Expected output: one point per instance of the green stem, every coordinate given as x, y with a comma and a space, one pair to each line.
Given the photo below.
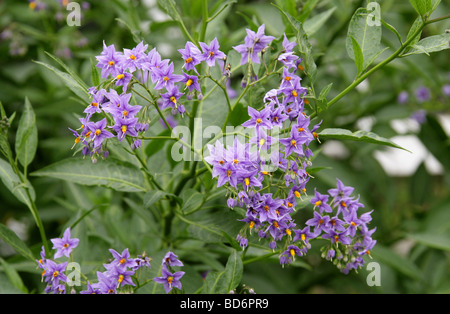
383, 63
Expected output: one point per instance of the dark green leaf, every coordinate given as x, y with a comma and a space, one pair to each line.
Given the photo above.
12, 181
111, 173
27, 136
15, 242
13, 276
436, 241
361, 136
192, 200
358, 55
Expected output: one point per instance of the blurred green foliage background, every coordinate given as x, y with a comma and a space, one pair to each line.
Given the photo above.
411, 210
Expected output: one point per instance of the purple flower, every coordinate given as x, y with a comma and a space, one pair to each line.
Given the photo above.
106, 284
423, 94
169, 280
292, 144
166, 78
100, 134
54, 273
65, 245
304, 235
123, 78
318, 222
89, 289
191, 56
109, 60
258, 118
170, 99
446, 90
403, 97
341, 192
124, 127
212, 53
141, 261
253, 44
337, 237
321, 202
191, 82
134, 58
122, 260
226, 173
288, 46
170, 259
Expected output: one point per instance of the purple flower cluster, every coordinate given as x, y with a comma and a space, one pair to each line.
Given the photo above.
53, 272
113, 98
281, 134
119, 273
170, 278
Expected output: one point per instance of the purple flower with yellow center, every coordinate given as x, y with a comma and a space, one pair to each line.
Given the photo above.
320, 201
54, 273
170, 259
288, 59
258, 118
89, 289
304, 235
122, 260
337, 237
353, 222
121, 275
259, 39
109, 60
133, 58
124, 127
99, 132
94, 106
191, 82
169, 280
191, 56
248, 179
170, 99
269, 208
226, 173
154, 62
125, 110
319, 222
292, 144
341, 192
166, 78
292, 251
65, 245
212, 53
123, 78
106, 284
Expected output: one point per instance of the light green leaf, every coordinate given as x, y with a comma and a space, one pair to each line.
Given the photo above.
430, 44
361, 136
192, 200
110, 173
27, 136
12, 181
437, 241
70, 82
68, 70
358, 55
397, 262
13, 276
312, 25
227, 280
367, 36
15, 242
95, 77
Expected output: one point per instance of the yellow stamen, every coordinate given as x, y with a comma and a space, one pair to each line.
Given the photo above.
120, 76
55, 273
261, 142
124, 128
265, 172
247, 181
275, 224
252, 224
211, 53
336, 238
173, 99
32, 5
189, 82
120, 279
132, 57
228, 173
294, 93
94, 104
288, 232
353, 224
125, 113
292, 252
290, 205
318, 203
77, 140
122, 261
235, 161
297, 194
303, 237
170, 280
165, 78
111, 63
88, 134
288, 78
188, 60
294, 143
258, 120
66, 245
300, 129
300, 67
343, 204
266, 208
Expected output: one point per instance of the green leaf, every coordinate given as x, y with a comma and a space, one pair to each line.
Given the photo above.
358, 56
227, 280
68, 70
13, 276
361, 136
436, 241
367, 36
70, 82
422, 6
110, 173
192, 200
12, 181
15, 242
311, 26
27, 135
430, 44
95, 77
397, 262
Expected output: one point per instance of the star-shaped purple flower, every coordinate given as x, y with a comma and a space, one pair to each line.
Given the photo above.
65, 245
